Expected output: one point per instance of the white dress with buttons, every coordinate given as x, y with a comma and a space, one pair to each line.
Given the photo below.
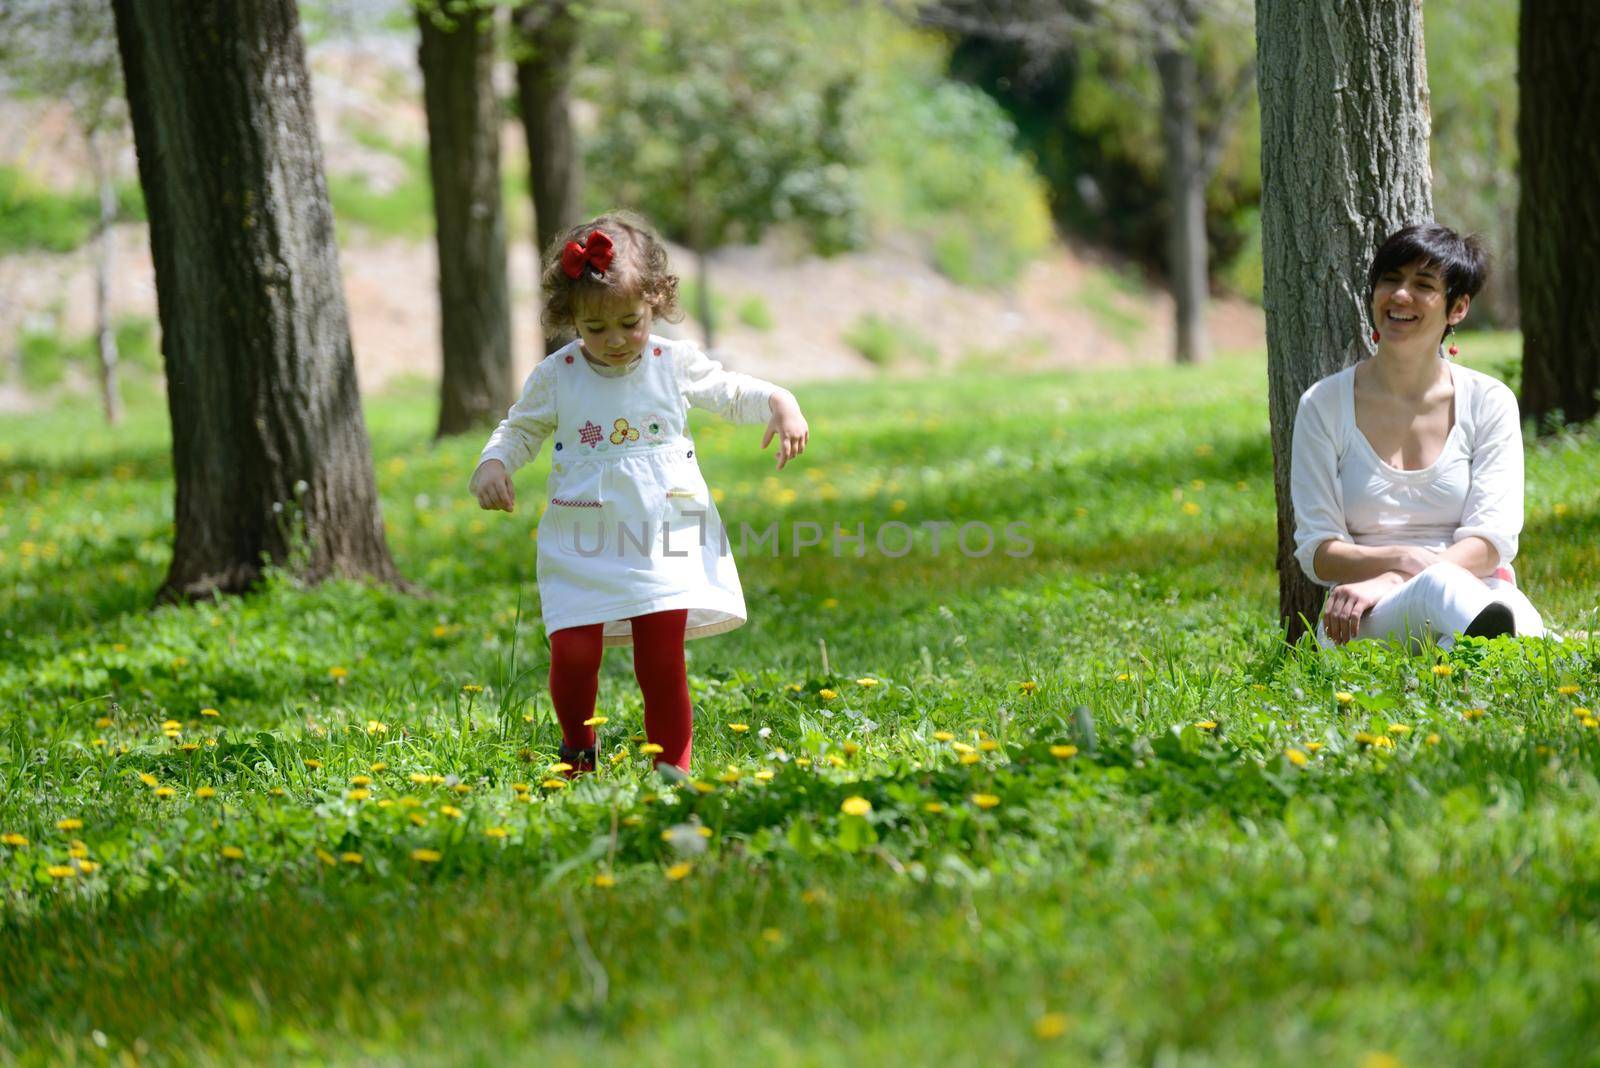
630, 527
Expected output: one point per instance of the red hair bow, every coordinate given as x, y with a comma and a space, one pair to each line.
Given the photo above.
595, 252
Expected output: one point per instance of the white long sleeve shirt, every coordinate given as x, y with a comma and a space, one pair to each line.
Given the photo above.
1343, 491
702, 383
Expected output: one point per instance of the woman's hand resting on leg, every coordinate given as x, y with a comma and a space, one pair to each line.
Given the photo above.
1347, 604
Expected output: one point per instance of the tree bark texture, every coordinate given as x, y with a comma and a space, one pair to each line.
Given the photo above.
270, 451
457, 61
1186, 197
1558, 220
547, 48
1344, 163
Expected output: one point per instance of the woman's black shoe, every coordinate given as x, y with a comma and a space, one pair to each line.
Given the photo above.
1492, 622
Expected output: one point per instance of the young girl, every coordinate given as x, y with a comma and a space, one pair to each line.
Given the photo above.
631, 549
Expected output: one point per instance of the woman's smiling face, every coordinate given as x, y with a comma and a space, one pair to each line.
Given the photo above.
1409, 303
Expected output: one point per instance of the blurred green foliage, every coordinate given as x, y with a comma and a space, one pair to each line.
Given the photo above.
34, 217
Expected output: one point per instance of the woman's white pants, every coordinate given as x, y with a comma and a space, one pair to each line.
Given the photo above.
1437, 605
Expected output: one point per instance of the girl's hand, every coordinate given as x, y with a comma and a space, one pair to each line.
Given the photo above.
493, 488
788, 426
1347, 604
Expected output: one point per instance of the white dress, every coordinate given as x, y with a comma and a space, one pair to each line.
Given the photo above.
630, 527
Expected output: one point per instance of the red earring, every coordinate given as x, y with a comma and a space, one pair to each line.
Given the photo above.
1375, 335
1452, 350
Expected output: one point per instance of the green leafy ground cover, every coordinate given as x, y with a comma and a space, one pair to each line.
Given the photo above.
1077, 807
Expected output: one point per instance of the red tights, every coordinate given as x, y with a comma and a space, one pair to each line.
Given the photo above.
658, 665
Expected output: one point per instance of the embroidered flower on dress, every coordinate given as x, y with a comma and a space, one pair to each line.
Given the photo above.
654, 428
589, 434
623, 432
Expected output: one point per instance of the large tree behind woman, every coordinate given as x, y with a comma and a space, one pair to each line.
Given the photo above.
1344, 162
269, 446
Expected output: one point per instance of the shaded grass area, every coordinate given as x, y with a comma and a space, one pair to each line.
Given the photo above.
1080, 805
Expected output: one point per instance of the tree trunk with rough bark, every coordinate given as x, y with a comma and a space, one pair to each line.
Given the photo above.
457, 60
547, 47
1186, 197
1344, 163
1558, 221
269, 446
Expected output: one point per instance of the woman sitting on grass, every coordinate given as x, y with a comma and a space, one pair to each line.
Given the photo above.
1406, 469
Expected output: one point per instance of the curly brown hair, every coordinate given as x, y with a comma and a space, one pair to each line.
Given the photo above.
638, 271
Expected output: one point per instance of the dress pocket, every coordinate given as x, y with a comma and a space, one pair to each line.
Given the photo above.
580, 511
686, 511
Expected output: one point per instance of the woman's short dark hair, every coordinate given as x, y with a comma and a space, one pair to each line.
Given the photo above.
1463, 260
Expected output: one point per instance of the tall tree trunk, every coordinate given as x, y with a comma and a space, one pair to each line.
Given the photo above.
1186, 200
1558, 221
269, 447
1344, 162
105, 255
457, 60
547, 47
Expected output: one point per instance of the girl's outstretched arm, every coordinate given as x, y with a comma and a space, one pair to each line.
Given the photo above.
517, 440
742, 398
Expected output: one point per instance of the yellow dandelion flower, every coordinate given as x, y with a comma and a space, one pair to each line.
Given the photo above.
210, 713
471, 687
338, 673
313, 763
1313, 746
451, 811
205, 792
98, 743
173, 734
1443, 670
969, 758
171, 725
69, 824
802, 762
856, 806
165, 792
211, 743
1363, 738
554, 784
105, 721
360, 793
985, 800
1380, 1059
650, 749
1399, 728
943, 736
702, 787
435, 780
1062, 752
233, 852
596, 721
1564, 691
1384, 742
77, 850
771, 935
815, 895
633, 820
1344, 697
961, 747
88, 866
988, 745
1050, 1025
933, 807
619, 756
519, 787
377, 766
440, 630
1582, 713
1030, 687
278, 791
14, 840
461, 789
419, 778
1207, 725
605, 881
679, 870
1432, 739
189, 747
426, 856
731, 776
867, 682
830, 602
1296, 757
826, 694
417, 819
360, 780
764, 775
835, 760
1474, 713
352, 858
61, 871
851, 748
1124, 677
496, 832
738, 728
561, 766
376, 727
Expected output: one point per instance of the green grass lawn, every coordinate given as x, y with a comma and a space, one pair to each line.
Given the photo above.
1078, 807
